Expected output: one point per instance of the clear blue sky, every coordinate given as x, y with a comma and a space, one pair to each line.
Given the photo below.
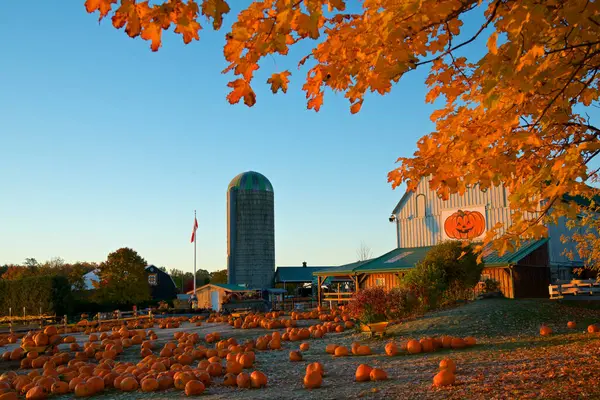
106, 144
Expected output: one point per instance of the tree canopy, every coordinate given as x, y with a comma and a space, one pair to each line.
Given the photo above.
123, 278
515, 116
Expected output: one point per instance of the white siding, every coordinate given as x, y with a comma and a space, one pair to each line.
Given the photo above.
426, 231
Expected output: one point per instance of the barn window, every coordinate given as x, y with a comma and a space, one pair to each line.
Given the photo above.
420, 206
379, 281
153, 279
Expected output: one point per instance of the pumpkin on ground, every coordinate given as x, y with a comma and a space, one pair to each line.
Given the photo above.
243, 380
295, 356
413, 346
304, 346
448, 364
593, 328
444, 378
330, 348
194, 388
571, 325
315, 367
391, 349
545, 330
258, 379
378, 374
363, 373
340, 351
313, 380
363, 351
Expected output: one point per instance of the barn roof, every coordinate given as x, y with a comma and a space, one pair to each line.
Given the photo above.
342, 270
296, 274
493, 259
397, 259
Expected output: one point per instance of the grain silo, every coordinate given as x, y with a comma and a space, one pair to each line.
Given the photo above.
250, 231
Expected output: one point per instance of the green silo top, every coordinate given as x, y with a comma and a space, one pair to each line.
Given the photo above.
250, 181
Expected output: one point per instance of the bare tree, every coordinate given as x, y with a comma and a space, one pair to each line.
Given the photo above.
364, 252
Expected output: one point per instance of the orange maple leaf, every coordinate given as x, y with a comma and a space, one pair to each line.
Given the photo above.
103, 6
279, 81
131, 14
215, 9
315, 102
356, 107
153, 32
188, 28
241, 89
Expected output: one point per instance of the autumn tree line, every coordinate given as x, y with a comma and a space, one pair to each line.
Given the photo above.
123, 281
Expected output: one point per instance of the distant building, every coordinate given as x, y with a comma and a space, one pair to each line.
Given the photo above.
250, 231
162, 286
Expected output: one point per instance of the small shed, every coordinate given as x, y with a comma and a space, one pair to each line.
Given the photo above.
212, 295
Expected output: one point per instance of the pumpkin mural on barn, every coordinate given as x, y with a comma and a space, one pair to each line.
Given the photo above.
464, 225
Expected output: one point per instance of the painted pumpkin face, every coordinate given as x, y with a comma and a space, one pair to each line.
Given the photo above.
464, 225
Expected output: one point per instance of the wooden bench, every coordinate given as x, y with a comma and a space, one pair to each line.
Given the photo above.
584, 289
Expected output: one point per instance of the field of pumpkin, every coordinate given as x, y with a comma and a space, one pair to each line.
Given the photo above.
308, 355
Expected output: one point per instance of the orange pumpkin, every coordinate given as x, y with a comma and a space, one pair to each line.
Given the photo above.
9, 396
341, 351
304, 347
149, 385
193, 388
243, 380
448, 364
295, 356
378, 374
571, 325
36, 393
413, 346
363, 351
464, 225
313, 380
470, 341
315, 367
330, 349
230, 379
258, 379
444, 378
458, 343
545, 330
363, 373
593, 328
391, 349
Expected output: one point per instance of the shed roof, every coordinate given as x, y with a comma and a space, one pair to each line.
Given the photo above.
493, 259
227, 286
397, 259
342, 270
296, 274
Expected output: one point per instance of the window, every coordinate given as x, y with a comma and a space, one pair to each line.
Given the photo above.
420, 206
152, 279
379, 281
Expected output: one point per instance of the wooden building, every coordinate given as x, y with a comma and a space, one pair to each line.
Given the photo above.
423, 220
212, 295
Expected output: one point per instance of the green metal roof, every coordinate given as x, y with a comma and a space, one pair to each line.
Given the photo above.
397, 259
346, 269
296, 274
493, 259
231, 287
250, 181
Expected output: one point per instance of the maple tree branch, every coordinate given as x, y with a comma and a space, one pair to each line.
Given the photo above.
575, 46
475, 36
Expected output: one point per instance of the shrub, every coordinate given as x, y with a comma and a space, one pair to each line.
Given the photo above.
50, 293
448, 273
427, 281
369, 305
401, 302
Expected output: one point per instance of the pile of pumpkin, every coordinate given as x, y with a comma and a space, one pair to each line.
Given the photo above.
171, 368
430, 344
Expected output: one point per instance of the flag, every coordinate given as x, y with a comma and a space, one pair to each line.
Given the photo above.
194, 231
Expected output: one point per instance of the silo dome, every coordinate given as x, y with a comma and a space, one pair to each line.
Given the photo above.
250, 231
250, 181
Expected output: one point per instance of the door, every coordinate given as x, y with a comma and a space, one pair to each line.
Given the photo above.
214, 300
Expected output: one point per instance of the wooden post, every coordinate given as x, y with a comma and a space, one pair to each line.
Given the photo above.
319, 291
65, 323
10, 320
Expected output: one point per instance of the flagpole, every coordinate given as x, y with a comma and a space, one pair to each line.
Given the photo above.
195, 236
